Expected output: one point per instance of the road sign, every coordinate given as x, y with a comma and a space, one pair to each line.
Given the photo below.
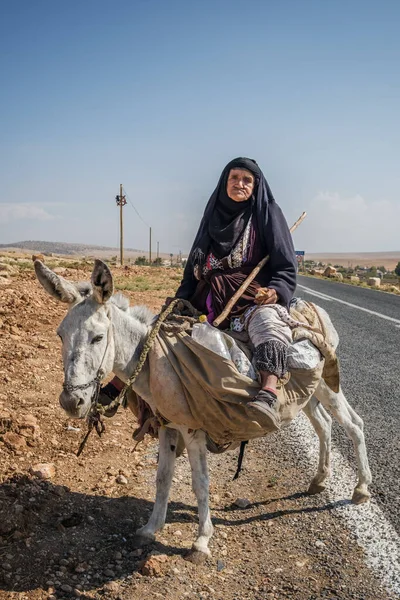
300, 252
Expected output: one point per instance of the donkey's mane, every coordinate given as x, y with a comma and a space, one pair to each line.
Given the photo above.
120, 301
141, 313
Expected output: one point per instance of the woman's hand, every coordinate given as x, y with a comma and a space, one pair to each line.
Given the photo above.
266, 296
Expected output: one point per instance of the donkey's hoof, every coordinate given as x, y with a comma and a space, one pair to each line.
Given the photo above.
316, 488
197, 557
140, 541
360, 496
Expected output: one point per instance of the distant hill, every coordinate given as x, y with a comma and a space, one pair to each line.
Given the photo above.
64, 248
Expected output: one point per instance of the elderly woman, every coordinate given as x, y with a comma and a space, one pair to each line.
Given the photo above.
241, 224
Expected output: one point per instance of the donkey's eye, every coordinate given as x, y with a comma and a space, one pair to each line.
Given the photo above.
97, 339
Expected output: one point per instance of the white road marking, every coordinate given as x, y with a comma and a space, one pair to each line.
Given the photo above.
317, 294
374, 533
330, 298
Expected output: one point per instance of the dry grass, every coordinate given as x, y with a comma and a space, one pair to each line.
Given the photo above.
145, 279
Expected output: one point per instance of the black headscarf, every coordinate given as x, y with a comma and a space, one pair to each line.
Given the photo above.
226, 218
271, 229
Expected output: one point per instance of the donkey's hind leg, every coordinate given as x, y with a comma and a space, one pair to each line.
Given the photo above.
337, 404
197, 453
321, 422
168, 439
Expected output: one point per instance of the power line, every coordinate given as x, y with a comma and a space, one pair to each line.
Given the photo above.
135, 209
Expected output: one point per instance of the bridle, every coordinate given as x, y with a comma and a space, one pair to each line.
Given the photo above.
95, 411
93, 416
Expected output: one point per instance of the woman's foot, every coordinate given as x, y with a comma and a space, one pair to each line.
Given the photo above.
264, 408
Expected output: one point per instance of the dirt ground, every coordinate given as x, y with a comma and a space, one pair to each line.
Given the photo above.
72, 535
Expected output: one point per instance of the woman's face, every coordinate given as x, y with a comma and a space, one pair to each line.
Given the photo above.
240, 185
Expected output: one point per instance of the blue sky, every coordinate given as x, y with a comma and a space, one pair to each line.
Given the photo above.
161, 95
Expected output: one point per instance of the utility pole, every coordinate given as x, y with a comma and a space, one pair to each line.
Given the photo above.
150, 248
121, 201
158, 249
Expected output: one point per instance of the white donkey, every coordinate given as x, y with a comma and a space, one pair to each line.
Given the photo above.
100, 333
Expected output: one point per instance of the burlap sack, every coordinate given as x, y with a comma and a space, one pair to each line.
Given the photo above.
214, 392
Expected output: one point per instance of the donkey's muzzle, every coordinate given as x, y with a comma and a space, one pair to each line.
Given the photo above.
75, 404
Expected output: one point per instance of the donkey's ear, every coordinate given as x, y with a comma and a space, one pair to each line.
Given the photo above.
102, 282
56, 286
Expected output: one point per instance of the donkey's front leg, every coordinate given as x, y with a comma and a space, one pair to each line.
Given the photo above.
168, 439
197, 452
321, 422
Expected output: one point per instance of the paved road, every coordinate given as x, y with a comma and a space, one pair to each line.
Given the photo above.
370, 365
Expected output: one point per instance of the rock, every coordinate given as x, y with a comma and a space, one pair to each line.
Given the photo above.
329, 271
80, 569
154, 566
121, 479
337, 276
14, 441
5, 421
354, 278
118, 556
136, 553
60, 270
319, 544
59, 490
109, 573
43, 470
111, 586
66, 588
374, 281
28, 426
178, 533
301, 563
220, 565
223, 534
242, 502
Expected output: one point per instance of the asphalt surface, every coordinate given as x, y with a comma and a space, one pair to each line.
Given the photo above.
369, 352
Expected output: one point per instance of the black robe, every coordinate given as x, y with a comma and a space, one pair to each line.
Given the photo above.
273, 238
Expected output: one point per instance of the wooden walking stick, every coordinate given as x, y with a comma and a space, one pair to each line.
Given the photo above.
249, 279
